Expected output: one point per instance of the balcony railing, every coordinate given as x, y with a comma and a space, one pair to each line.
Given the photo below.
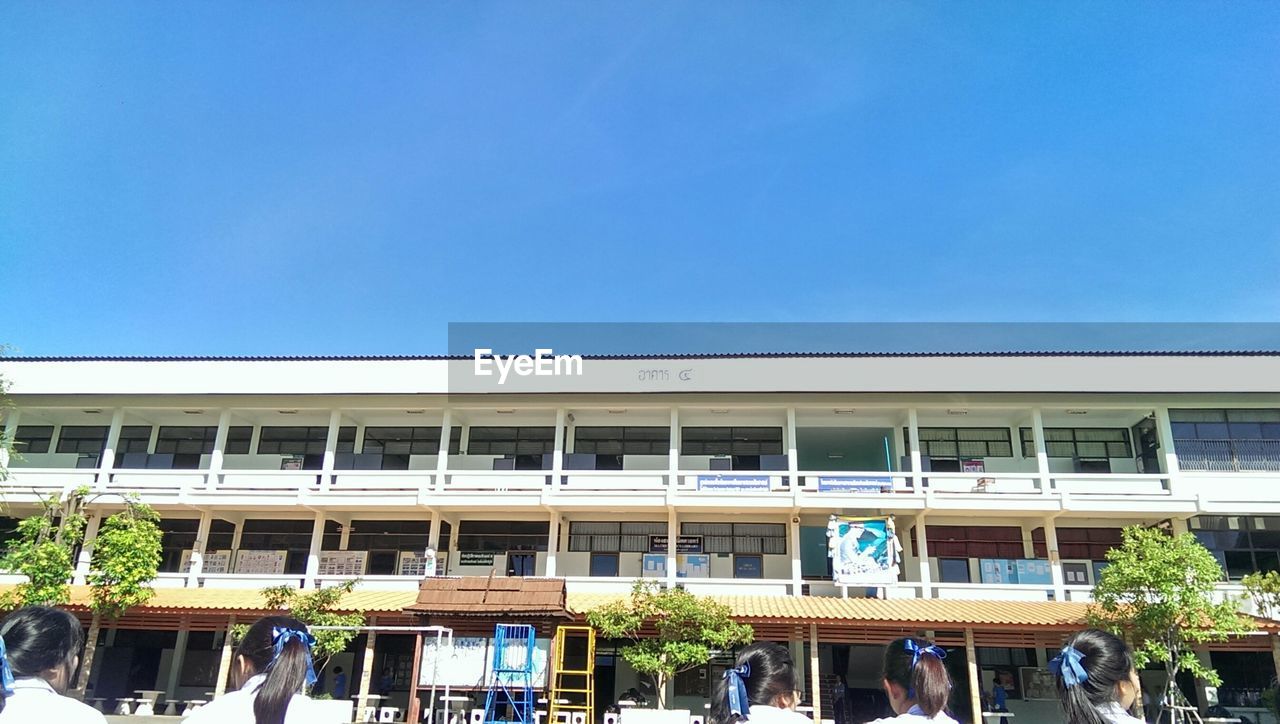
1229, 455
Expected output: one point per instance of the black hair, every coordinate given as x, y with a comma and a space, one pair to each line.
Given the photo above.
924, 678
39, 639
1107, 661
286, 675
772, 674
337, 669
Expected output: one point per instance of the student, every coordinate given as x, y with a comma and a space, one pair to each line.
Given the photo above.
762, 688
339, 683
916, 682
1097, 682
272, 665
39, 653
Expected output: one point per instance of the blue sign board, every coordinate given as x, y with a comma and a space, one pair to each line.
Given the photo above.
854, 484
733, 482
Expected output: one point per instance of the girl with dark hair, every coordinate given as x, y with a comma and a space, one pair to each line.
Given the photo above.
1097, 681
39, 653
271, 670
762, 687
916, 682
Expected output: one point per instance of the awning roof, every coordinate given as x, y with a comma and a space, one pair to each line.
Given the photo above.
491, 596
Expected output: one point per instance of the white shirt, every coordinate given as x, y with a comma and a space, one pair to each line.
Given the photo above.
1112, 712
915, 714
761, 714
35, 701
237, 708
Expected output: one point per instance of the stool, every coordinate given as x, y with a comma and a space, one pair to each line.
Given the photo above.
476, 716
193, 705
145, 708
696, 719
170, 707
369, 714
123, 707
610, 718
577, 717
388, 714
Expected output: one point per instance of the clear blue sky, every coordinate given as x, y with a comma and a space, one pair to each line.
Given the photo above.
323, 178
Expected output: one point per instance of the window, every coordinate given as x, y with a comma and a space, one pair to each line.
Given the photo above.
521, 564
604, 564
622, 440
186, 444
1242, 544
133, 439
953, 570
511, 440
770, 538
501, 536
1079, 442
1075, 574
748, 565
179, 534
731, 441
33, 438
612, 537
1227, 440
954, 443
409, 440
293, 536
1085, 544
238, 439
302, 440
958, 541
83, 439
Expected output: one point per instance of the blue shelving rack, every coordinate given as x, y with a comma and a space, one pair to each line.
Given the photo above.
510, 697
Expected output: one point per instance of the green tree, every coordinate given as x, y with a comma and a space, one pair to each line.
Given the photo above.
316, 608
1158, 592
671, 630
44, 551
1264, 589
126, 559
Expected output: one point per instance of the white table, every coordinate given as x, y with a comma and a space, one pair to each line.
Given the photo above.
146, 702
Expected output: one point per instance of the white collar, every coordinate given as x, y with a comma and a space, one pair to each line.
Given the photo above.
254, 682
34, 683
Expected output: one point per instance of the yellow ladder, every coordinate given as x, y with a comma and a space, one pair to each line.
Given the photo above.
573, 689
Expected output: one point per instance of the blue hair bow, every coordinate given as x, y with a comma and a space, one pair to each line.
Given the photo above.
6, 673
281, 636
1067, 665
916, 650
738, 688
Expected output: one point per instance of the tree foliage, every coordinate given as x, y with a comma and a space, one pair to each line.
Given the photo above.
1158, 592
126, 559
1264, 589
671, 630
316, 608
44, 551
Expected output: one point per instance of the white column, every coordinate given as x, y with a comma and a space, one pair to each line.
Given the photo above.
313, 555
433, 533
793, 458
1055, 560
236, 533
108, 458
153, 439
10, 430
442, 454
815, 679
922, 550
913, 439
86, 549
217, 457
224, 662
344, 535
1164, 430
175, 664
553, 543
673, 449
557, 451
198, 550
797, 575
330, 448
673, 534
1042, 455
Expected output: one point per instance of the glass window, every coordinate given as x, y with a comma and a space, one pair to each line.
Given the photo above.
33, 438
1079, 442
85, 439
292, 440
134, 439
622, 440
409, 440
953, 570
503, 536
184, 440
604, 564
748, 566
511, 440
731, 441
238, 439
963, 442
770, 538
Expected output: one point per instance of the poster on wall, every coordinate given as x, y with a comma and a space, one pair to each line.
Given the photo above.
1038, 683
653, 565
973, 466
863, 551
854, 484
421, 564
292, 462
214, 562
261, 562
342, 563
1033, 571
693, 565
469, 663
733, 482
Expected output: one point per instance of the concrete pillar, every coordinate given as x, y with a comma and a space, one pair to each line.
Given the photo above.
198, 550
673, 447
224, 663
1055, 560
217, 457
108, 459
553, 544
175, 664
673, 535
913, 441
313, 554
85, 556
815, 684
557, 449
922, 551
1164, 431
344, 535
442, 454
1042, 454
433, 533
330, 448
797, 571
793, 453
366, 669
10, 431
975, 687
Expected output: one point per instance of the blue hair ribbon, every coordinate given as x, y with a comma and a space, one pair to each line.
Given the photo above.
738, 688
916, 650
281, 636
1067, 665
6, 673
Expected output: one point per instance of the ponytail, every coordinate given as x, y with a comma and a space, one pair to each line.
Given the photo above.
1087, 670
279, 648
916, 665
762, 674
36, 640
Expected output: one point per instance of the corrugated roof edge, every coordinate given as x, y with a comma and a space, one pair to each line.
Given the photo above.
729, 355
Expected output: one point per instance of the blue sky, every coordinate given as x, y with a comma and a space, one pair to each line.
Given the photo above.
323, 178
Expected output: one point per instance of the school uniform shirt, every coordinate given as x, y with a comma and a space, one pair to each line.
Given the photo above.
35, 701
237, 708
764, 714
1114, 714
916, 714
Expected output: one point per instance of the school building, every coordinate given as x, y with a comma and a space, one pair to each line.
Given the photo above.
1008, 477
